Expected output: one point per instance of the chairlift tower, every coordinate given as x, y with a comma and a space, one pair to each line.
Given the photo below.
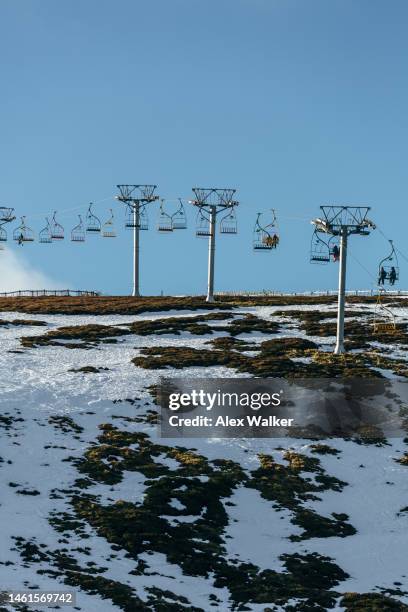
343, 221
210, 202
136, 198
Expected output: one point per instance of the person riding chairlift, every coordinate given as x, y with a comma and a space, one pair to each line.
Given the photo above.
382, 276
271, 241
393, 276
336, 253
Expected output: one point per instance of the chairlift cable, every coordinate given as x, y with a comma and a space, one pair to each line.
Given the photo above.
396, 248
62, 212
402, 254
374, 278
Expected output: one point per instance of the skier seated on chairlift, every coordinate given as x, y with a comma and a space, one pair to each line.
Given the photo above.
21, 239
336, 253
271, 241
393, 276
382, 276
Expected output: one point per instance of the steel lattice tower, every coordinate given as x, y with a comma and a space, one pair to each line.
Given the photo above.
136, 198
211, 201
343, 221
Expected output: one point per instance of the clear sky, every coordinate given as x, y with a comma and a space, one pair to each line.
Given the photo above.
295, 103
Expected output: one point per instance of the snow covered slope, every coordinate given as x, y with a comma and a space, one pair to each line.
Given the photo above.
92, 499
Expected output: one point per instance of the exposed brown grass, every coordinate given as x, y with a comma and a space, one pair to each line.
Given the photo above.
359, 329
86, 336
273, 358
22, 323
82, 336
371, 602
103, 305
131, 305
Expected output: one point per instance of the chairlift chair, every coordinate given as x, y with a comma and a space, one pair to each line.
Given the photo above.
228, 223
131, 221
388, 268
265, 236
179, 218
319, 250
57, 231
93, 224
45, 234
381, 327
3, 234
165, 221
334, 248
384, 318
108, 228
203, 229
23, 233
143, 219
78, 232
6, 214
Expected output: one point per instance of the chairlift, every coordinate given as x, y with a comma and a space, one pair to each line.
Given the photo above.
57, 231
334, 248
165, 221
23, 233
6, 214
319, 249
78, 232
108, 228
366, 227
265, 235
131, 218
93, 224
388, 268
179, 218
3, 234
228, 223
45, 234
143, 219
203, 229
384, 318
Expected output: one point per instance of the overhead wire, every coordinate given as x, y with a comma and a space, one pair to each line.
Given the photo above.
396, 248
364, 268
64, 212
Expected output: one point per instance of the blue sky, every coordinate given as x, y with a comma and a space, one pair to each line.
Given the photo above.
295, 103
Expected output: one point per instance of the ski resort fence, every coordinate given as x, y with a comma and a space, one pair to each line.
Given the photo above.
362, 292
49, 293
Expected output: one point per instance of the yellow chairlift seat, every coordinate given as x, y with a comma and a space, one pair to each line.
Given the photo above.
384, 327
383, 312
